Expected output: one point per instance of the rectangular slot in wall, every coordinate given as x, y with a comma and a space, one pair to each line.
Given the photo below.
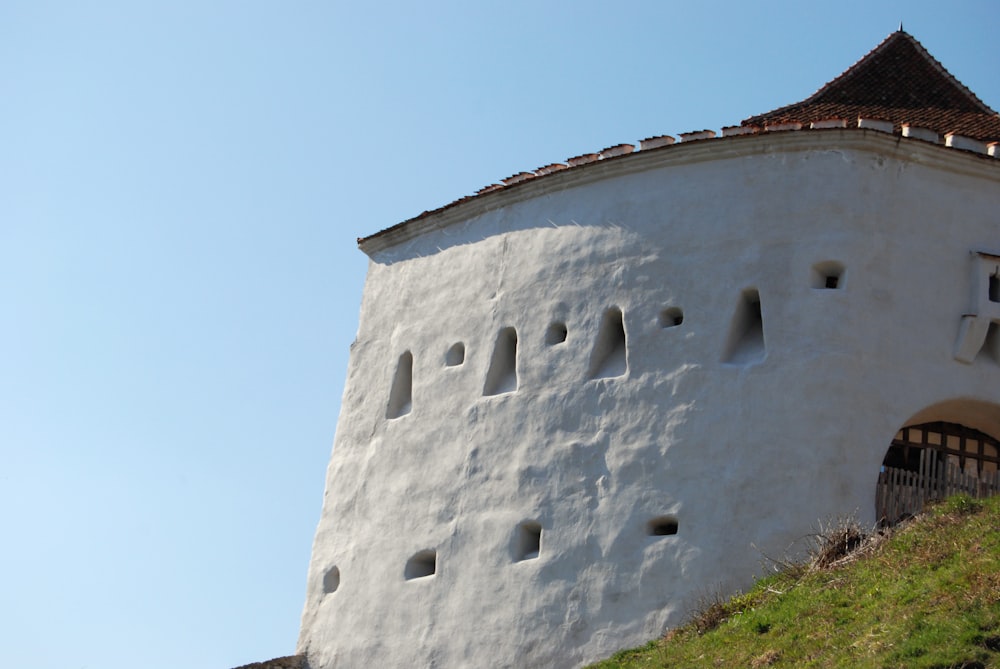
502, 374
401, 394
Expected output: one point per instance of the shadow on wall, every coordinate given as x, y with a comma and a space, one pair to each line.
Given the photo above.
478, 230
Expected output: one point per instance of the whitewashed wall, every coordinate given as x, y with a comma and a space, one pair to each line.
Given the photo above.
746, 457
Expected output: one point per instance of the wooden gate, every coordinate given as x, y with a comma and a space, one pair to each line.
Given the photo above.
932, 461
902, 493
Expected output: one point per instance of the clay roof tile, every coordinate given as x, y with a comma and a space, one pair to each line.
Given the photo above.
898, 81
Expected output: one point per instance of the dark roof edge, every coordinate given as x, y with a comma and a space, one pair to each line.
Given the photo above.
700, 150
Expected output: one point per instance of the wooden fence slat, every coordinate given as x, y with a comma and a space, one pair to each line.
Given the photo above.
901, 492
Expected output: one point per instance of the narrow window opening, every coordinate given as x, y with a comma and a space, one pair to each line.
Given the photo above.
745, 344
671, 318
662, 526
455, 355
994, 288
401, 395
331, 580
556, 334
502, 374
828, 275
528, 543
609, 356
991, 345
423, 564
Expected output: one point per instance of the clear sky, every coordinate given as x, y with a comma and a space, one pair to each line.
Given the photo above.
181, 186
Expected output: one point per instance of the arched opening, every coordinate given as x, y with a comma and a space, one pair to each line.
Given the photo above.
948, 448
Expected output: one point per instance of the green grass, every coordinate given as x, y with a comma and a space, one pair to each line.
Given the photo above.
926, 597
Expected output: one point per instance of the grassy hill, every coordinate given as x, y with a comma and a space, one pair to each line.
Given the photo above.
925, 595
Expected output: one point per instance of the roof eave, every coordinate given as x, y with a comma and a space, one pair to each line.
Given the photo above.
676, 155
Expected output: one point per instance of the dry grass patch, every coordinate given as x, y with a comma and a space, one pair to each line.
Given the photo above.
766, 659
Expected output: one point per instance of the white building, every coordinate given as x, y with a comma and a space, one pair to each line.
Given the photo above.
583, 398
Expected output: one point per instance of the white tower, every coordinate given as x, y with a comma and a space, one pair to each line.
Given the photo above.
585, 397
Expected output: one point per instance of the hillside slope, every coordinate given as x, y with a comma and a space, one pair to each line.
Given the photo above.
926, 596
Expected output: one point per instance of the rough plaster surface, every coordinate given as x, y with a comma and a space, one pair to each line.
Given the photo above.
746, 456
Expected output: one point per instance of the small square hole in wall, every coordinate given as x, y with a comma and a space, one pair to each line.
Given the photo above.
528, 541
556, 334
662, 526
455, 355
421, 565
671, 318
994, 294
828, 275
331, 580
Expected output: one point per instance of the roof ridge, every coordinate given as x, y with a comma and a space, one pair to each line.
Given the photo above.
921, 49
825, 87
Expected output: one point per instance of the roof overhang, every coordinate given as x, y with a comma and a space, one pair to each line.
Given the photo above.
685, 153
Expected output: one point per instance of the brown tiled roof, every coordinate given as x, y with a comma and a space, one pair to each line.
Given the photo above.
897, 81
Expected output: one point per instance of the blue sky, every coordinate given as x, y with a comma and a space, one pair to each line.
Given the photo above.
181, 187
